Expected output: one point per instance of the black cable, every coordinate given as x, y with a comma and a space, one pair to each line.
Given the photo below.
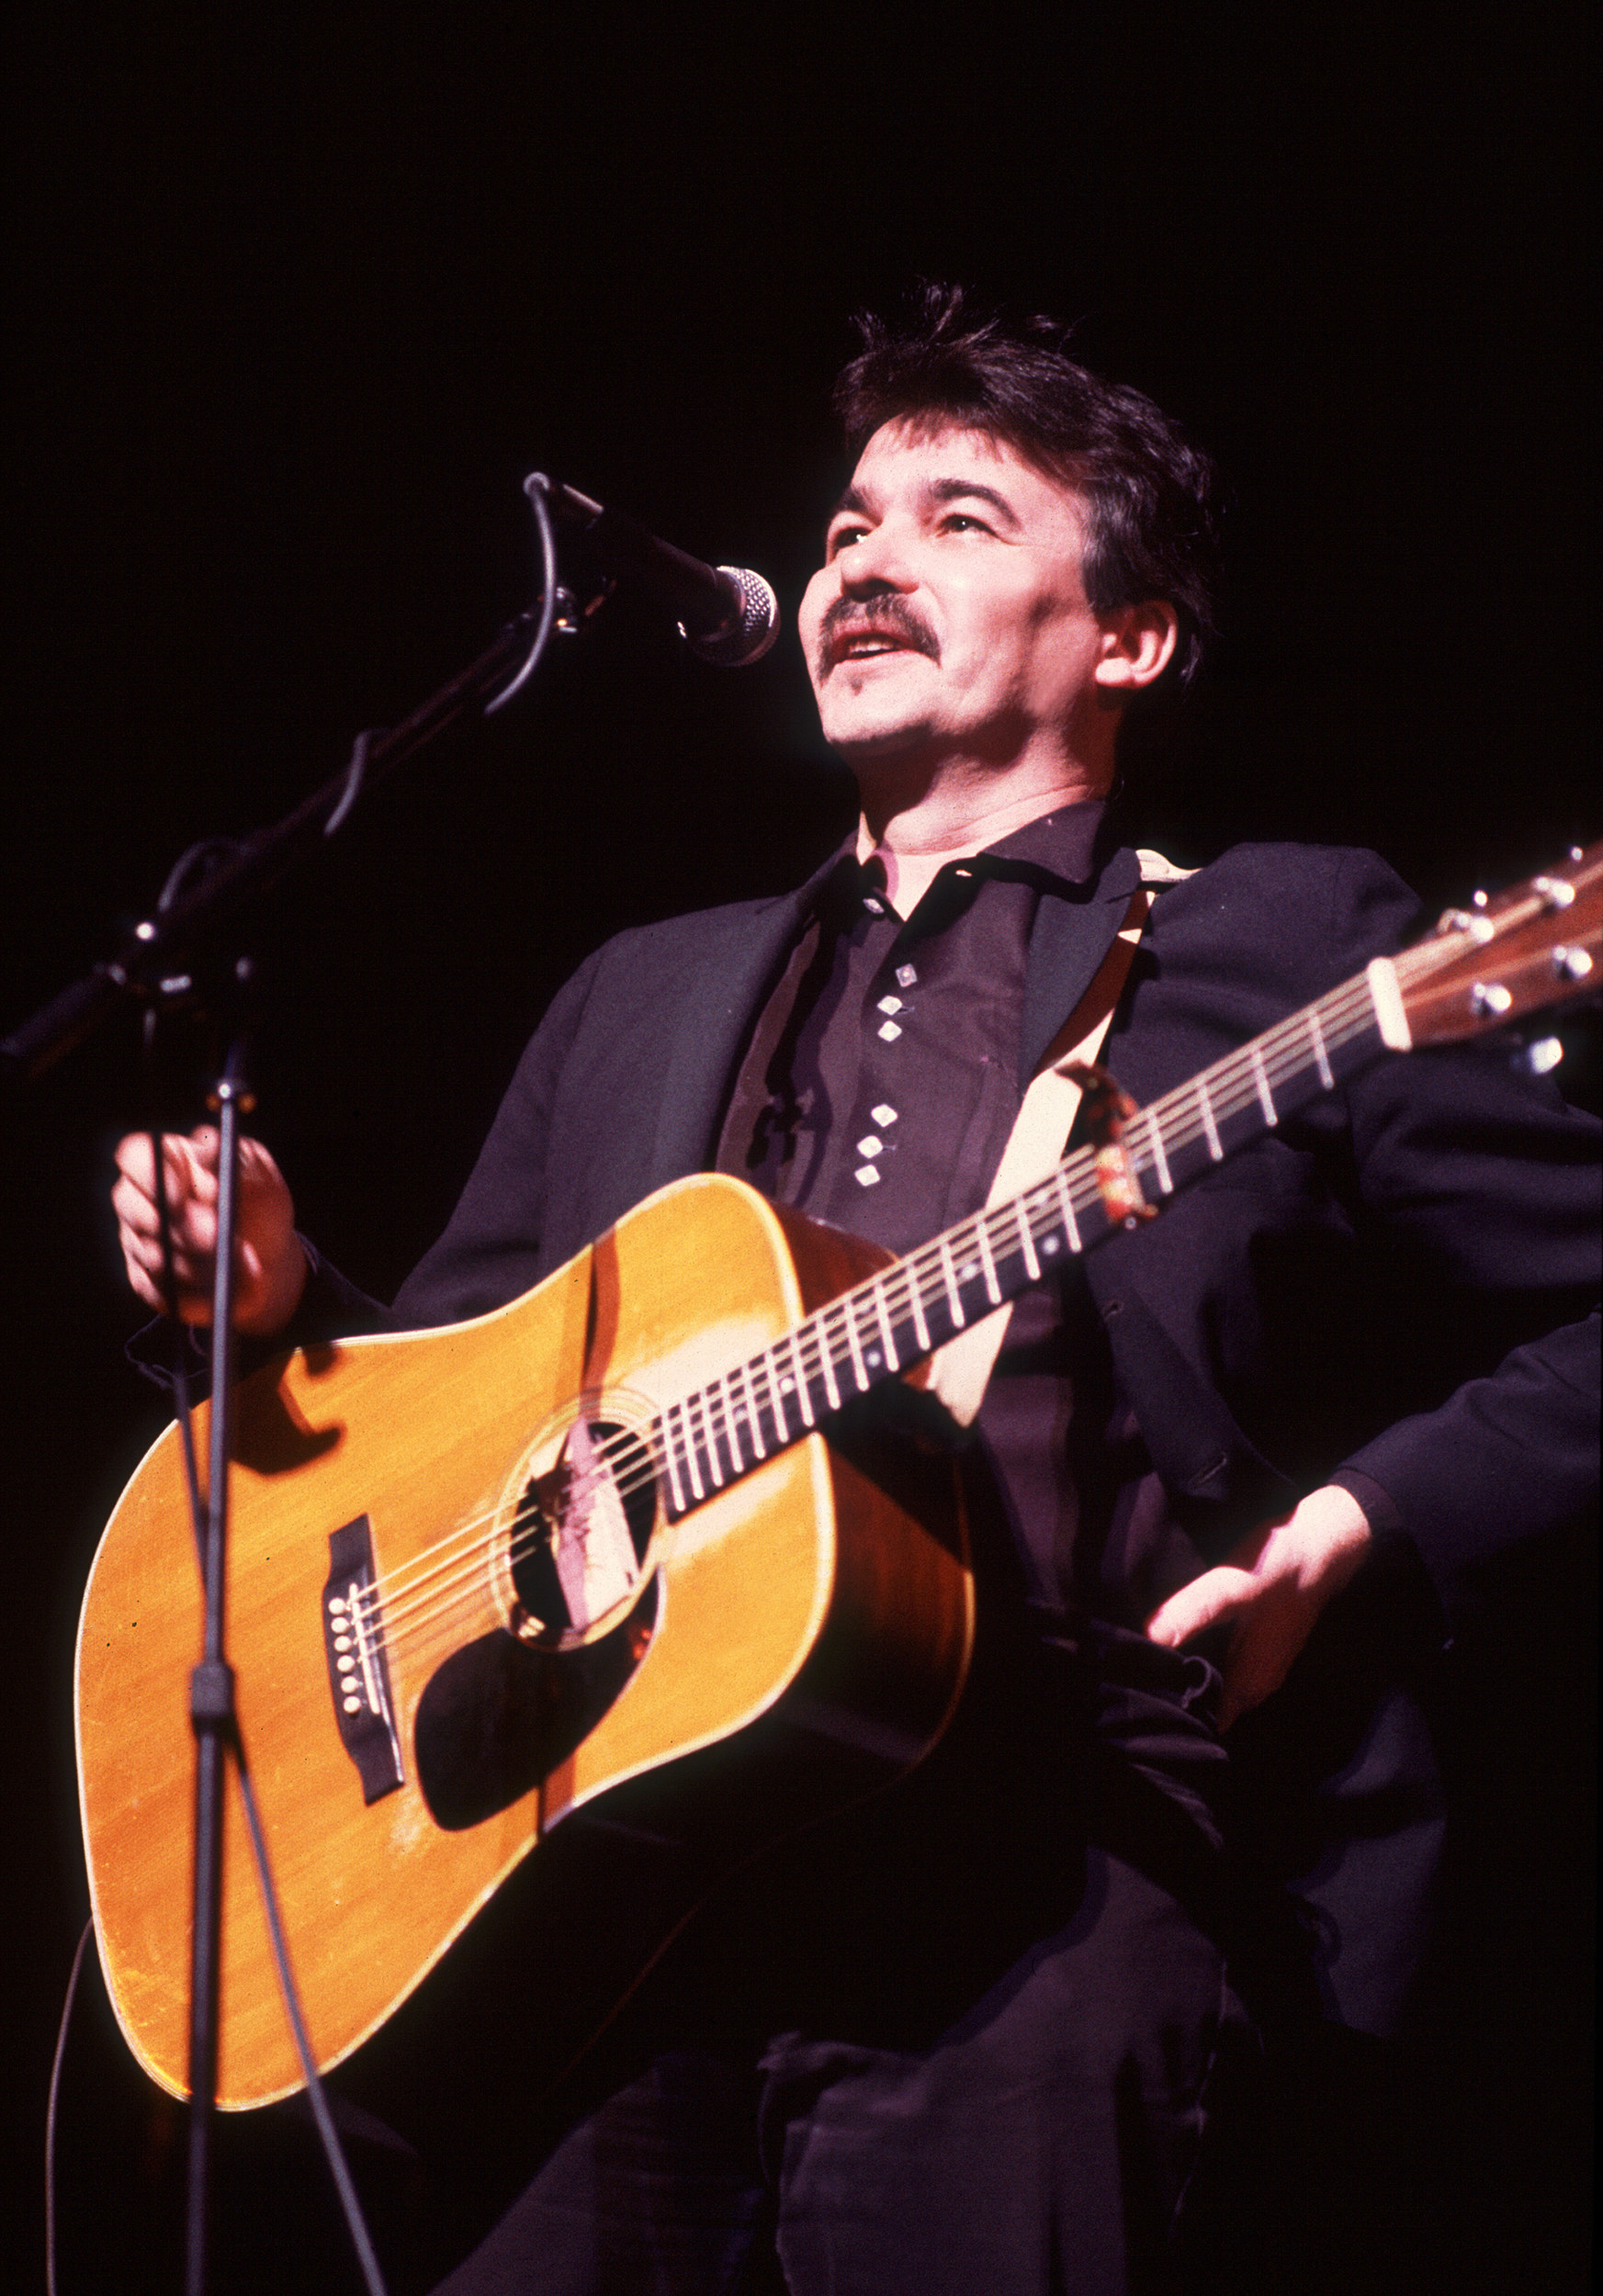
535, 487
49, 2114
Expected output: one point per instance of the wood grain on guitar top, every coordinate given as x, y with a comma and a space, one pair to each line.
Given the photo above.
805, 1597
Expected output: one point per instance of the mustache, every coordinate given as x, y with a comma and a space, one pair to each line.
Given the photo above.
890, 617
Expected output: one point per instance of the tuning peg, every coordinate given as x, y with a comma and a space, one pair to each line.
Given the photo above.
1571, 964
1537, 1059
1489, 1000
1557, 893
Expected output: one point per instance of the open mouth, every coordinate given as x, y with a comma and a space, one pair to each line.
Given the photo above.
873, 641
866, 647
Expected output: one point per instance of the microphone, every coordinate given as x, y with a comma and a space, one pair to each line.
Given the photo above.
725, 613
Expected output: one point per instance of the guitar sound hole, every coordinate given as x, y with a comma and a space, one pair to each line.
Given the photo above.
580, 1531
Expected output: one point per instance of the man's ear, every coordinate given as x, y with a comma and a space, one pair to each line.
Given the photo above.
1138, 645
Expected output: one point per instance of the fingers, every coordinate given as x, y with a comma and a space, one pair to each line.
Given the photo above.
188, 1172
189, 1176
1278, 1581
1218, 1593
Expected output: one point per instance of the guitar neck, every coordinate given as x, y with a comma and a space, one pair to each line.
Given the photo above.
891, 1321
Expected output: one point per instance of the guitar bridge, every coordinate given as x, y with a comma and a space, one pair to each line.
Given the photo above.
359, 1674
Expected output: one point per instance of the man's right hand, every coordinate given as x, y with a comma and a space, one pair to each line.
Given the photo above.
270, 1267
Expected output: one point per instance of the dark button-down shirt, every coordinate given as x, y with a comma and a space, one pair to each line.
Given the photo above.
877, 1093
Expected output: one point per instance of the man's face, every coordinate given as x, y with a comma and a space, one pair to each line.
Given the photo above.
950, 616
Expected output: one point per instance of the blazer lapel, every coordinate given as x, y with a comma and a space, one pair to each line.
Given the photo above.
713, 1022
1069, 940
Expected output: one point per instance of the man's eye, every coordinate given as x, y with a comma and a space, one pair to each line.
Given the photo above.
964, 523
844, 536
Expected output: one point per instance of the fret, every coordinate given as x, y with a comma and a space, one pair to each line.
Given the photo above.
798, 1380
993, 1290
826, 1360
1026, 1241
666, 1423
731, 1434
1211, 1131
1260, 1084
711, 1424
775, 1397
1066, 1209
691, 1466
892, 1360
859, 1370
915, 1297
1050, 1245
1320, 1057
709, 1435
1160, 1161
753, 1418
950, 1278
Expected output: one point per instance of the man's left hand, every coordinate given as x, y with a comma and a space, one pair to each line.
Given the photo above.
1273, 1588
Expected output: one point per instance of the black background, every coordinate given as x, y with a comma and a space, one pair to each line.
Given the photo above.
297, 300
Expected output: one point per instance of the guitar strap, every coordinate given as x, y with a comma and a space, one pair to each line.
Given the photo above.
960, 1371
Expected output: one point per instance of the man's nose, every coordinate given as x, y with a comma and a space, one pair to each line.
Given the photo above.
875, 562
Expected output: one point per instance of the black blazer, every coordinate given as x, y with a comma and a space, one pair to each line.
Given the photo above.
1396, 1288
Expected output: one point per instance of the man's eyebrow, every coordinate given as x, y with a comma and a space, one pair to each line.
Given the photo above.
855, 501
959, 489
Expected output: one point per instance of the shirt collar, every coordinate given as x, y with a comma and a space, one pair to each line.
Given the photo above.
1058, 848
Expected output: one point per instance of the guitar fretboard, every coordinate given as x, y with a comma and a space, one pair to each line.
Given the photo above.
884, 1325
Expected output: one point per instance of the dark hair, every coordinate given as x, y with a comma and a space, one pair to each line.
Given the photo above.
1150, 495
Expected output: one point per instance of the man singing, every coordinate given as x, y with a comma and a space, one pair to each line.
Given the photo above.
1000, 2039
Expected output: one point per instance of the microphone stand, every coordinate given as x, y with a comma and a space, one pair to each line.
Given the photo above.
159, 962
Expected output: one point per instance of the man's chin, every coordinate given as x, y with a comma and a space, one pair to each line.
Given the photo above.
863, 737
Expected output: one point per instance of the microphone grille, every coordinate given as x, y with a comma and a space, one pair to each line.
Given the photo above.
751, 630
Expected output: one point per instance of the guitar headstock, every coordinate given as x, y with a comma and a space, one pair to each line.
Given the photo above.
1517, 953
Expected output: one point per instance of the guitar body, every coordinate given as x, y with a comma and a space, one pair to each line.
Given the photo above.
818, 1608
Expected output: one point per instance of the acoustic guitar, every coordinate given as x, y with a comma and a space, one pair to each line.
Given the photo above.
601, 1557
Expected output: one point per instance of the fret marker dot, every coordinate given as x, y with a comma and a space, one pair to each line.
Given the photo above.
351, 1705
872, 1358
888, 1032
866, 1176
1049, 1243
884, 1114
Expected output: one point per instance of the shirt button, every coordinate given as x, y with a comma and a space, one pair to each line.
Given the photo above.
870, 1145
888, 1032
906, 975
884, 1114
890, 1003
866, 1175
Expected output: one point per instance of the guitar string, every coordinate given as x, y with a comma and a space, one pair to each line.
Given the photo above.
923, 1273
897, 1285
923, 1276
1233, 1087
